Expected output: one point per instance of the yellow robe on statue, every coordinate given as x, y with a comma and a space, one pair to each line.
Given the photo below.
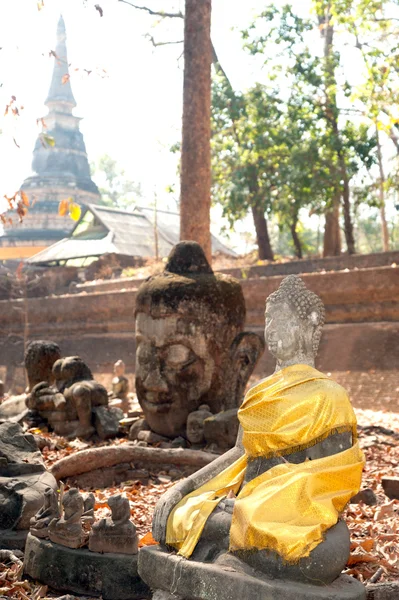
289, 507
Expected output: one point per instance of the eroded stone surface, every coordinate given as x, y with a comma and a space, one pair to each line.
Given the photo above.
117, 534
68, 530
23, 482
191, 349
190, 581
196, 423
68, 405
39, 524
111, 576
222, 429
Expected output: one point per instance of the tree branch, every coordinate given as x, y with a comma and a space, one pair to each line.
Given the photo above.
178, 15
155, 13
154, 43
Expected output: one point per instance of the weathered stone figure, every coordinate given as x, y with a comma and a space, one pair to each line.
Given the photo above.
120, 387
23, 484
191, 349
269, 508
39, 359
50, 510
117, 534
68, 405
68, 530
88, 508
196, 424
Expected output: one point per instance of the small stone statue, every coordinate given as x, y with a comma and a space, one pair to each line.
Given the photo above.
39, 359
88, 508
39, 524
120, 387
68, 405
269, 509
68, 530
117, 534
195, 425
191, 347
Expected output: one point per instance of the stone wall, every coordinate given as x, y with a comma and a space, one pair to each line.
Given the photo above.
296, 267
361, 335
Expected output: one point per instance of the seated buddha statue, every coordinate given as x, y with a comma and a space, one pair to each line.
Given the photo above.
50, 510
67, 530
270, 507
116, 534
120, 387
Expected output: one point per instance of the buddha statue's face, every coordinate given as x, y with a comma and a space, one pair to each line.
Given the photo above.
175, 366
283, 332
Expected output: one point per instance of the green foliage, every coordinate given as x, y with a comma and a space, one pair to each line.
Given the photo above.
115, 188
286, 144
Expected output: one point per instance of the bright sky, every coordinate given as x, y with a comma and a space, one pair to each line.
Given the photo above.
132, 111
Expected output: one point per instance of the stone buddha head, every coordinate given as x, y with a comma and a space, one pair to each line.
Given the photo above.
191, 348
39, 359
294, 321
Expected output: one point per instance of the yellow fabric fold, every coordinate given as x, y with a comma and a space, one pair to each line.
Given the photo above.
293, 409
289, 507
188, 518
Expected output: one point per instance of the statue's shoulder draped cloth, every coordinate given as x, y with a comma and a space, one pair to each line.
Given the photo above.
289, 507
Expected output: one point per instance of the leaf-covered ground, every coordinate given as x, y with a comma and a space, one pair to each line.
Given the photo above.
374, 529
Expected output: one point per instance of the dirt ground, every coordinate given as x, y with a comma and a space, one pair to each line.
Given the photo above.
374, 529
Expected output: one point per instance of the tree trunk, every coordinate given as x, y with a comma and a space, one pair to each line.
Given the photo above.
381, 188
348, 224
332, 234
265, 251
295, 237
195, 177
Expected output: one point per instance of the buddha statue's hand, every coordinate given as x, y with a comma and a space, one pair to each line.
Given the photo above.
164, 507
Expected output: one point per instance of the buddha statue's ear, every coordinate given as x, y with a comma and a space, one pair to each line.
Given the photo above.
245, 352
315, 318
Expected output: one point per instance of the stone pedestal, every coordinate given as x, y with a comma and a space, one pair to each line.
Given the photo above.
191, 580
111, 576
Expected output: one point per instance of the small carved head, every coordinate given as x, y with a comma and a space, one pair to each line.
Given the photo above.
195, 424
120, 508
294, 321
119, 368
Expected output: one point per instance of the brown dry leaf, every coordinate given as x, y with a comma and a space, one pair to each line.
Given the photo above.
361, 557
367, 544
384, 511
24, 198
147, 540
63, 208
